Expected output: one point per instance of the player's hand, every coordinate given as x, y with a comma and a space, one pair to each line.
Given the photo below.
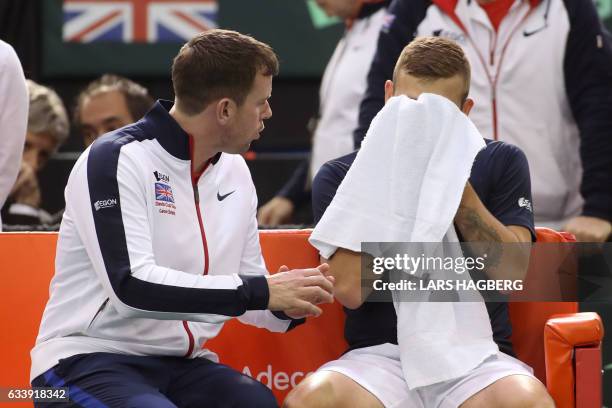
276, 211
589, 229
298, 291
26, 190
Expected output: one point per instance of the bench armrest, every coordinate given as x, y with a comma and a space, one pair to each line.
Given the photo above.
572, 348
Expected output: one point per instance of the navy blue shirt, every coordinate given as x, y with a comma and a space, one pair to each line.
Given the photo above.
500, 177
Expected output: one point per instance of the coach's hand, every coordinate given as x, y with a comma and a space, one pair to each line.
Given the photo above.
298, 291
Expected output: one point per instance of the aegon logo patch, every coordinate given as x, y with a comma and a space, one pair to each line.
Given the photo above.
109, 202
161, 177
525, 203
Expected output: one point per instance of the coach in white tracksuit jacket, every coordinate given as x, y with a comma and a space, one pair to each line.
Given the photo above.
144, 256
155, 251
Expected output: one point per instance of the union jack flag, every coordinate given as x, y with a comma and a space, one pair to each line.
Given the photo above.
163, 192
137, 21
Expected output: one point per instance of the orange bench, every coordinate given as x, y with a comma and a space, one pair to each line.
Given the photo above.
571, 367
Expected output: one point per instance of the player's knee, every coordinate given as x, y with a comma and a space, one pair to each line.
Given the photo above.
531, 395
515, 391
535, 399
545, 401
310, 394
252, 393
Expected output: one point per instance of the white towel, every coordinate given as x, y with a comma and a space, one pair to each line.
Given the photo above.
405, 185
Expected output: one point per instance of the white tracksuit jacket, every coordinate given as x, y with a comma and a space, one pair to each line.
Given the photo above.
152, 259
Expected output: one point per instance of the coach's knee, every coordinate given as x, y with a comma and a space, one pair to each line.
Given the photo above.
148, 401
312, 392
252, 393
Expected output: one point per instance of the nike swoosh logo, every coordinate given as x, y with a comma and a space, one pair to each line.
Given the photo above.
224, 196
530, 33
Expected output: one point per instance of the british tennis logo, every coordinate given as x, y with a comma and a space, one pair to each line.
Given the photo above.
164, 197
163, 192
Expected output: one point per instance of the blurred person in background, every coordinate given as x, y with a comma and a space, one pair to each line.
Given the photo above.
108, 103
13, 119
47, 130
342, 86
543, 71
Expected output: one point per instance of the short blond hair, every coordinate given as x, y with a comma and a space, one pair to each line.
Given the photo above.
47, 113
432, 58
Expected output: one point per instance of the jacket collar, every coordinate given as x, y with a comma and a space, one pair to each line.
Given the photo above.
158, 123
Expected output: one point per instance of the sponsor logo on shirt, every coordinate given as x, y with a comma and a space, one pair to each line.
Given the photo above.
161, 177
525, 203
222, 197
109, 202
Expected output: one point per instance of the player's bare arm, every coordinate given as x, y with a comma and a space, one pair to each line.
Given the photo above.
477, 224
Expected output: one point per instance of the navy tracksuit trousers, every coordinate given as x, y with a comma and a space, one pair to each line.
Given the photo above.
101, 380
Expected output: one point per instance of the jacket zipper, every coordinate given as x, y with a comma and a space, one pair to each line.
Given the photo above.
492, 47
494, 111
492, 80
195, 176
196, 197
100, 309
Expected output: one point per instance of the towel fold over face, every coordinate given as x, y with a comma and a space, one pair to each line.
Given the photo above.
405, 185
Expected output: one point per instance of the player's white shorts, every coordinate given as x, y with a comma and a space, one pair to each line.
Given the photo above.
378, 370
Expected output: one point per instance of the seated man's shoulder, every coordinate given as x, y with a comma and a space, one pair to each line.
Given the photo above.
233, 168
335, 169
500, 158
500, 149
112, 142
326, 182
235, 162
